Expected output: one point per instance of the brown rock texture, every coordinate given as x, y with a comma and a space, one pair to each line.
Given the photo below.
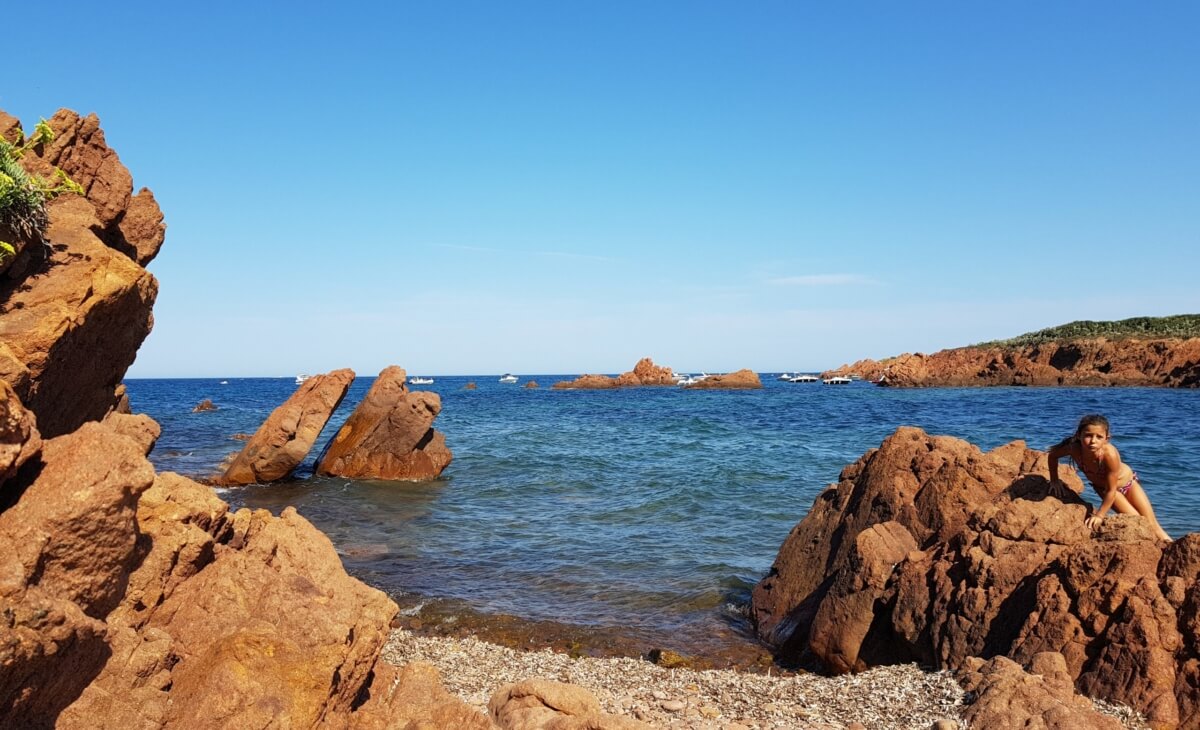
67, 339
19, 437
743, 379
389, 435
541, 703
1009, 698
413, 697
1098, 362
285, 438
204, 405
930, 550
645, 372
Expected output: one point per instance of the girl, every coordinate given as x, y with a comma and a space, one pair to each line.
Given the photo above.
1091, 451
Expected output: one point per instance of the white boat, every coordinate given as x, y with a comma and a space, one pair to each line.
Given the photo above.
837, 380
686, 380
785, 376
224, 382
302, 377
508, 378
800, 378
420, 381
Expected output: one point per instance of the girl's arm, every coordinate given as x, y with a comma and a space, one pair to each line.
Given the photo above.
1057, 452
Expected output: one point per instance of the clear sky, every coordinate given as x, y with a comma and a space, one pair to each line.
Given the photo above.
565, 187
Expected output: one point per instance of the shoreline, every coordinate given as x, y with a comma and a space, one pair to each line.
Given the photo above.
898, 697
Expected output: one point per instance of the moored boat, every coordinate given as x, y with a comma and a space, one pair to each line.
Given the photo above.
508, 378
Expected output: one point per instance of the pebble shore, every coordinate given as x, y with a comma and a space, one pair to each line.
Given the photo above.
902, 697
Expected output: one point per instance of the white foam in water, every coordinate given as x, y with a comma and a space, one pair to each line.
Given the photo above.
412, 610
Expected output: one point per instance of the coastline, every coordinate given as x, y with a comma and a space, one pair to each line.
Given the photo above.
897, 697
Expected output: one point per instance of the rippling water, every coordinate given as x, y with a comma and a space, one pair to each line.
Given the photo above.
649, 510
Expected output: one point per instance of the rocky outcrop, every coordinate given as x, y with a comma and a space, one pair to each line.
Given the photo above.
205, 405
1098, 362
67, 339
19, 438
930, 550
1006, 697
389, 435
645, 372
542, 703
288, 434
743, 379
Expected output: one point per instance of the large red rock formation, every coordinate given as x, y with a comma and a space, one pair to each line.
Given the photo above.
743, 379
66, 339
285, 438
645, 372
930, 550
389, 435
1169, 362
1008, 698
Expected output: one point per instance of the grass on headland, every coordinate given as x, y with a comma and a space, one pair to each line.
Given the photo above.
1178, 325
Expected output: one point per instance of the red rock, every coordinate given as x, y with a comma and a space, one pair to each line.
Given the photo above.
740, 380
645, 372
143, 429
542, 703
74, 529
67, 338
531, 384
1169, 362
19, 437
1001, 569
389, 435
141, 229
1008, 698
410, 697
285, 438
273, 631
204, 405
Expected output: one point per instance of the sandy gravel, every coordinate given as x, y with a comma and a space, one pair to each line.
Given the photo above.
883, 698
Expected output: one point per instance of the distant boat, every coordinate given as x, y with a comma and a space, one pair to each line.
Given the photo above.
837, 380
302, 377
420, 381
686, 380
508, 378
799, 378
224, 382
785, 376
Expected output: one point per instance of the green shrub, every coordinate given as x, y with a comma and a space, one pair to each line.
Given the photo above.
23, 196
1179, 325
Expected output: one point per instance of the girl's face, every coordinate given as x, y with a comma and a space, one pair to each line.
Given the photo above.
1093, 437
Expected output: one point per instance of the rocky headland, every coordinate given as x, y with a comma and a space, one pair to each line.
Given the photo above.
1123, 355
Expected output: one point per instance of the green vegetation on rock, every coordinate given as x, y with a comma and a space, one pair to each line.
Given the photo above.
1175, 326
23, 196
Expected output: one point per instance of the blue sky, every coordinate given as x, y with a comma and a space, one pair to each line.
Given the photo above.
564, 187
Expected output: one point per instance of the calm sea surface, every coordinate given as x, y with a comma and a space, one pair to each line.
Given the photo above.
649, 510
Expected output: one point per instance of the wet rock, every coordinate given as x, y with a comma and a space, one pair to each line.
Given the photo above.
285, 438
389, 435
204, 405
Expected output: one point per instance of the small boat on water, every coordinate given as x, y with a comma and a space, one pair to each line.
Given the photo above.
224, 382
302, 377
837, 380
509, 378
785, 376
686, 380
801, 378
420, 381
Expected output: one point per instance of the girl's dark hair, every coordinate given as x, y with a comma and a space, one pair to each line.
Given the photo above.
1091, 419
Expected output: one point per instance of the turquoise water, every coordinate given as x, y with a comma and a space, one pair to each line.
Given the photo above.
652, 510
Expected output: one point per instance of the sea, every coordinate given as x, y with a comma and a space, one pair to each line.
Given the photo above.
639, 517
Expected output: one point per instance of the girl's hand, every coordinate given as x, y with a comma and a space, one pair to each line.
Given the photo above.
1093, 522
1058, 489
